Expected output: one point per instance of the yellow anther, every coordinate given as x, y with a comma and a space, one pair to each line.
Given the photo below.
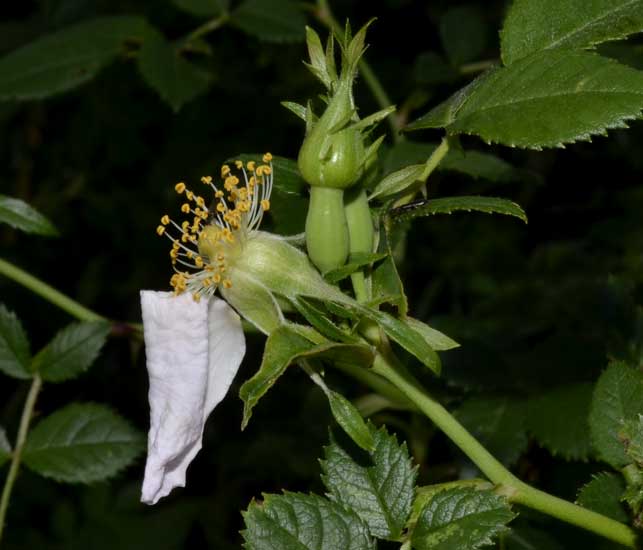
160, 230
198, 261
251, 165
221, 207
238, 164
267, 170
267, 157
196, 297
206, 179
259, 170
189, 195
200, 202
230, 182
179, 187
174, 253
203, 215
225, 170
185, 208
185, 225
265, 205
165, 219
227, 283
216, 278
218, 194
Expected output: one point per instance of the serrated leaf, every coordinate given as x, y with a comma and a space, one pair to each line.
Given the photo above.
271, 20
295, 521
20, 215
164, 69
618, 398
463, 33
378, 486
82, 443
355, 262
284, 346
498, 423
462, 518
350, 420
632, 437
435, 339
14, 346
202, 8
603, 495
71, 351
5, 447
569, 439
448, 205
67, 58
531, 26
548, 99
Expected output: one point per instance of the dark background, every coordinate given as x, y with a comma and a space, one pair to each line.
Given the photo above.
533, 305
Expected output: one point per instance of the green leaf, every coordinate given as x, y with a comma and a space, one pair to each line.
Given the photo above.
355, 262
531, 26
71, 351
271, 20
545, 100
350, 420
499, 424
411, 340
82, 443
385, 278
20, 215
14, 346
378, 486
164, 69
202, 8
5, 447
618, 398
463, 33
321, 322
569, 439
603, 495
402, 181
285, 345
295, 108
295, 521
462, 518
448, 205
632, 437
434, 338
67, 58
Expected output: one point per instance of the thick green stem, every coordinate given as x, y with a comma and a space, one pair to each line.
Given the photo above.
511, 486
48, 292
23, 430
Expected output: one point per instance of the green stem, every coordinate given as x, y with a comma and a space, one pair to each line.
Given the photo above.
516, 491
47, 292
23, 430
431, 164
207, 27
325, 16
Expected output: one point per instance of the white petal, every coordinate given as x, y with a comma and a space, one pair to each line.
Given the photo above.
190, 371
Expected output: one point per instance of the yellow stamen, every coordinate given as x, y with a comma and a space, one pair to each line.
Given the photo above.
185, 208
179, 187
267, 157
160, 230
265, 205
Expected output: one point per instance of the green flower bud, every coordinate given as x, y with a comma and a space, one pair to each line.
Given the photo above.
332, 155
